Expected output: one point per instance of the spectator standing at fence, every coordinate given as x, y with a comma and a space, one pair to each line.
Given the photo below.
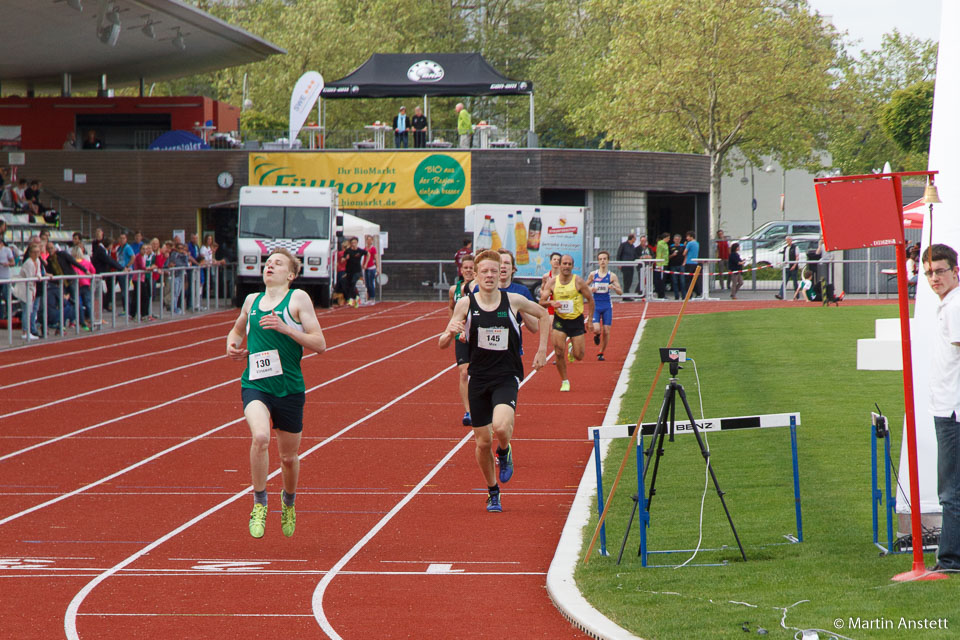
419, 124
723, 254
691, 254
353, 255
401, 127
371, 267
85, 298
815, 255
663, 257
176, 264
6, 261
675, 264
137, 242
145, 261
940, 268
790, 265
104, 263
125, 256
642, 252
27, 291
627, 253
464, 126
734, 264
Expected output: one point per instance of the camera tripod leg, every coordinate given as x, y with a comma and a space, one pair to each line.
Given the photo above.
713, 476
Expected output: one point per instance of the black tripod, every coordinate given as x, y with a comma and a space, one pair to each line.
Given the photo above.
669, 405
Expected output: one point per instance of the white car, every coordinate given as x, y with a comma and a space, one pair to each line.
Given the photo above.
774, 254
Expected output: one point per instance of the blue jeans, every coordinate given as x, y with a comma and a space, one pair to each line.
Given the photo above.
28, 315
370, 281
86, 304
948, 489
3, 299
176, 282
791, 275
676, 280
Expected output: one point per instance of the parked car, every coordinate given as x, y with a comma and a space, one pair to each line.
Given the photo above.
773, 233
773, 254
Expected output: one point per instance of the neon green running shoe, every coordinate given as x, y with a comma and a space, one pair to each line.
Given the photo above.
258, 520
288, 519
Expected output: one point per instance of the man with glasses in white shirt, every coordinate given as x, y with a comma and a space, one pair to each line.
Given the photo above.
940, 268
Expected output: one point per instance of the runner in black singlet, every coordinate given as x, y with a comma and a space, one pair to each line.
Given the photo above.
487, 320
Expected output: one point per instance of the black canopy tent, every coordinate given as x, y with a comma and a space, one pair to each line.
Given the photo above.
394, 75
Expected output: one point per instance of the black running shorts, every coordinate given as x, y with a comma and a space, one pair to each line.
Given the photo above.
463, 352
572, 327
484, 395
286, 412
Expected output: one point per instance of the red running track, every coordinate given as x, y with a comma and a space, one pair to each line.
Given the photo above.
125, 483
124, 476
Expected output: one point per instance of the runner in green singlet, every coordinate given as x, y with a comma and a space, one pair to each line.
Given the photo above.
277, 324
459, 290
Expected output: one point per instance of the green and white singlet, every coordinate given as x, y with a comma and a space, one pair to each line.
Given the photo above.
274, 363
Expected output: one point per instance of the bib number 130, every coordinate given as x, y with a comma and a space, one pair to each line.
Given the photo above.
265, 364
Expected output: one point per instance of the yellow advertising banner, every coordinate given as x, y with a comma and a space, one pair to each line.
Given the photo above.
372, 179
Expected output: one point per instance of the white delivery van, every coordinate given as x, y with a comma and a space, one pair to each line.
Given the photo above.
301, 219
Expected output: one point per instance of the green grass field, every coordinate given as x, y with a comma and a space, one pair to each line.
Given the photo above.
755, 362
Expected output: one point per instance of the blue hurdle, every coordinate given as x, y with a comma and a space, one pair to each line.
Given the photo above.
707, 425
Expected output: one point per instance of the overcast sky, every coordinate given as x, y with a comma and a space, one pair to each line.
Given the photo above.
868, 20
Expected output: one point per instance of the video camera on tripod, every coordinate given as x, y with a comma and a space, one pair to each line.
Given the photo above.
673, 356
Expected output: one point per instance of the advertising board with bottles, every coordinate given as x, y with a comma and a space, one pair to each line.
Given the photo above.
530, 232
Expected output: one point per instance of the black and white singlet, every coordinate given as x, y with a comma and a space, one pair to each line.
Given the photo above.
494, 341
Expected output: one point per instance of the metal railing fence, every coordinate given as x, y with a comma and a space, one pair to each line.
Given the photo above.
61, 303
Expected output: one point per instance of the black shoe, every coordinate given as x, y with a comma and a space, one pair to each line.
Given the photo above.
600, 357
778, 296
596, 339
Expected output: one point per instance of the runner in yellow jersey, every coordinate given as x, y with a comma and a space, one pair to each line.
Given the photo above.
569, 296
277, 324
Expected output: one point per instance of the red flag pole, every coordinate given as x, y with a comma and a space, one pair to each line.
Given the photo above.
919, 571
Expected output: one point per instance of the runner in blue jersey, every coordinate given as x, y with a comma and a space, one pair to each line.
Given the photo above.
487, 319
602, 282
277, 325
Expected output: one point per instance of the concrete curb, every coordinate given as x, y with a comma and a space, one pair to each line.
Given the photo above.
560, 582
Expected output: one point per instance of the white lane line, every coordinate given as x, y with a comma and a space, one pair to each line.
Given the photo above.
58, 356
190, 395
151, 354
124, 383
125, 361
317, 600
70, 617
160, 454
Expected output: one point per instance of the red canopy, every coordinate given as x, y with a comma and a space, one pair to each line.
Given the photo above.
913, 214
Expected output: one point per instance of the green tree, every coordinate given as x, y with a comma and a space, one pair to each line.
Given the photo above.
906, 119
710, 75
857, 142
